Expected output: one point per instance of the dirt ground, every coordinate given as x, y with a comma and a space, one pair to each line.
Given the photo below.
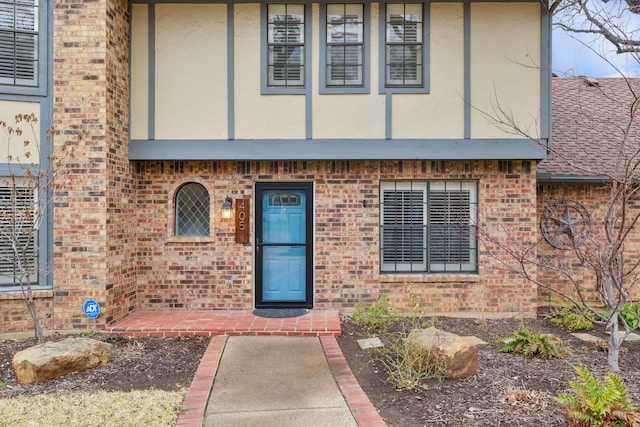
170, 363
481, 400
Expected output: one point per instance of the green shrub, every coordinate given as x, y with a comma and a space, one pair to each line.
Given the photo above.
379, 315
595, 404
532, 343
630, 313
568, 316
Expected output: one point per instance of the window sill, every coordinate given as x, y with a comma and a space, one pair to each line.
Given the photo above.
429, 278
189, 239
16, 294
332, 90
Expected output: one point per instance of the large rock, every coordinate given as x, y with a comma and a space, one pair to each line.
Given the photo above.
460, 353
54, 359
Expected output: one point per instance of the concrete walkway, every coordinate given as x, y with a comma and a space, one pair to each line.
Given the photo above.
263, 371
236, 395
275, 382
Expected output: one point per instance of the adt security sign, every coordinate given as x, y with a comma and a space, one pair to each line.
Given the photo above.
91, 308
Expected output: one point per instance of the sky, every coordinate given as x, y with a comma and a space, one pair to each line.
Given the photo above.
573, 57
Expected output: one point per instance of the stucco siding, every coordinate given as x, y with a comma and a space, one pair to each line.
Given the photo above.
191, 71
505, 67
13, 145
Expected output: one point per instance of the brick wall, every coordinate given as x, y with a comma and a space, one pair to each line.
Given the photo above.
93, 226
595, 199
175, 273
120, 193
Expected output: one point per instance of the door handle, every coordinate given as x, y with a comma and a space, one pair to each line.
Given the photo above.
258, 245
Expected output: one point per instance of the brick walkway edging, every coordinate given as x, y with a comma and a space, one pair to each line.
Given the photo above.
361, 407
195, 402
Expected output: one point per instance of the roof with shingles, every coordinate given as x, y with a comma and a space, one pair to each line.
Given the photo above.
589, 121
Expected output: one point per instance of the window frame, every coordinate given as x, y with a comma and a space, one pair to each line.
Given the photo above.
43, 32
428, 264
265, 88
383, 87
325, 87
177, 213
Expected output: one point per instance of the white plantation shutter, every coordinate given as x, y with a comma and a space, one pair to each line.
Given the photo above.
404, 44
345, 44
451, 217
19, 42
286, 44
17, 207
403, 226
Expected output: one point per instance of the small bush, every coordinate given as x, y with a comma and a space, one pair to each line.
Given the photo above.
406, 366
630, 313
568, 316
594, 404
379, 315
533, 343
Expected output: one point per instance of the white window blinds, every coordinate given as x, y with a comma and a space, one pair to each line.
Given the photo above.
285, 45
19, 42
345, 44
427, 226
404, 45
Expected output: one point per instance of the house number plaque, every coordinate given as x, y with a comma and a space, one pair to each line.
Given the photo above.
242, 220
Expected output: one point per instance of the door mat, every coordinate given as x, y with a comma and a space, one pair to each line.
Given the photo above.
280, 312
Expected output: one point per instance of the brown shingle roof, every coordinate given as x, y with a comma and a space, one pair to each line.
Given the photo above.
588, 127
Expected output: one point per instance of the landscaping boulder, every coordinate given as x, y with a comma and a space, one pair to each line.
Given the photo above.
54, 359
460, 353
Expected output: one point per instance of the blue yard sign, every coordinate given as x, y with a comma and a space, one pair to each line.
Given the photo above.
91, 308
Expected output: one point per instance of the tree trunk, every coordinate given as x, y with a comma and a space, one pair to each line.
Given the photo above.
615, 342
37, 326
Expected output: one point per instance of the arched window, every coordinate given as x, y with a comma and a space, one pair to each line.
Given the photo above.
192, 210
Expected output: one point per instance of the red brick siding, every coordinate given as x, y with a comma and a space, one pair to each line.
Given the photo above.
94, 221
120, 193
595, 200
176, 274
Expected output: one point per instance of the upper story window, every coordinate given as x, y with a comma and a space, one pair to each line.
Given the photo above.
286, 45
427, 226
19, 42
192, 210
404, 45
344, 50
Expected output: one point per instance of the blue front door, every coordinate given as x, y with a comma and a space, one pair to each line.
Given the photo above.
283, 244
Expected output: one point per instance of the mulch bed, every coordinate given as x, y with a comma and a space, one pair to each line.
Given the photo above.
479, 400
136, 364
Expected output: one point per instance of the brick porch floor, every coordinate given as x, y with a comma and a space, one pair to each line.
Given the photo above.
225, 322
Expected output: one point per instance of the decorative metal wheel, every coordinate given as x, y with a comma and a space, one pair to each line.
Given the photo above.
565, 223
